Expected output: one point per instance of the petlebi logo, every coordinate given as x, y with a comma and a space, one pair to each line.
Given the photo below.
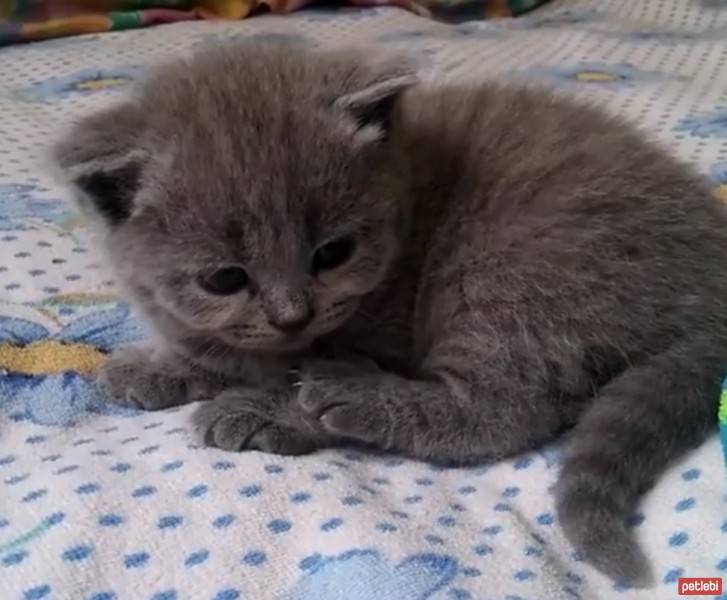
699, 586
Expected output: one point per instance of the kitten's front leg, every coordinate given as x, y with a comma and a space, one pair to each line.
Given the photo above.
142, 377
441, 417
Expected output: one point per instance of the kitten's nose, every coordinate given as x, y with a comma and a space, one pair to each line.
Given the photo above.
292, 322
288, 310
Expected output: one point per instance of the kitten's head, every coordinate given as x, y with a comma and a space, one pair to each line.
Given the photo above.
251, 194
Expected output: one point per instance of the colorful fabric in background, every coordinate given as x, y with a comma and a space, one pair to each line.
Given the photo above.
34, 20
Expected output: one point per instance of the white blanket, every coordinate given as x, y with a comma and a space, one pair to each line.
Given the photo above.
96, 504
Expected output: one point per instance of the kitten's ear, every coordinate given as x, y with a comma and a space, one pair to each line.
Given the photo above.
101, 158
372, 103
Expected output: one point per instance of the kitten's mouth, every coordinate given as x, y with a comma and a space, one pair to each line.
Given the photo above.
241, 338
293, 344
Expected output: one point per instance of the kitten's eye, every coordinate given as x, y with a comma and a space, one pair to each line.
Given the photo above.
333, 254
226, 281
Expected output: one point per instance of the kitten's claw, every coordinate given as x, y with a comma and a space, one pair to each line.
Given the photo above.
226, 423
351, 422
277, 439
231, 432
350, 419
128, 379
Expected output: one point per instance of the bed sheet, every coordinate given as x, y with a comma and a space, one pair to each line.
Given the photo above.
100, 504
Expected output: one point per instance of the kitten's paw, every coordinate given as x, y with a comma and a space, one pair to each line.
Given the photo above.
228, 422
128, 378
344, 415
356, 423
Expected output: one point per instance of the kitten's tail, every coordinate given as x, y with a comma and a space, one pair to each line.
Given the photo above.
646, 417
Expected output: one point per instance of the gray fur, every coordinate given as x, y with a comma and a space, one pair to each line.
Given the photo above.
522, 266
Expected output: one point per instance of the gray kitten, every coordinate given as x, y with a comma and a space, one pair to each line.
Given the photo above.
458, 273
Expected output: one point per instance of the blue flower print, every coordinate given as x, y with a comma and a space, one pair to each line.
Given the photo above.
366, 574
595, 74
86, 81
709, 125
46, 378
718, 174
20, 202
670, 37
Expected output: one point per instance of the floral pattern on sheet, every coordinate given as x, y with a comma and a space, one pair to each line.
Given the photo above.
48, 377
598, 74
708, 125
21, 207
85, 81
